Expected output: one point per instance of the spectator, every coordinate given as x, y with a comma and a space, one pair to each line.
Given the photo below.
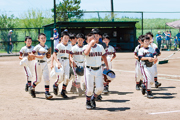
167, 38
55, 38
159, 39
9, 42
175, 43
178, 38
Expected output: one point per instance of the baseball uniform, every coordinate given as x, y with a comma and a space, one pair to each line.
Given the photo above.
56, 40
147, 72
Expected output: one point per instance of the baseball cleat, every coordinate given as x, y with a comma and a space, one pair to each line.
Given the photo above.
29, 89
48, 95
33, 94
63, 94
106, 91
137, 87
81, 92
149, 95
157, 84
55, 90
93, 103
26, 87
88, 105
143, 90
99, 98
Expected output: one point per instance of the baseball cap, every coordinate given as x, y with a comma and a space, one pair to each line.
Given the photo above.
11, 31
54, 29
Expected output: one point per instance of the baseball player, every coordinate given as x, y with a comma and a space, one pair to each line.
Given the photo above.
29, 68
73, 41
96, 33
40, 52
138, 74
55, 38
154, 46
61, 56
146, 65
78, 60
93, 73
111, 54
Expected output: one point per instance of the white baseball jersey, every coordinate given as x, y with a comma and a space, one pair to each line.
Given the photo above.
95, 54
153, 45
63, 50
40, 50
77, 53
136, 50
25, 50
143, 51
110, 51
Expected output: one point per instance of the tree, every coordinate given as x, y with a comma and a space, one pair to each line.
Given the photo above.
68, 9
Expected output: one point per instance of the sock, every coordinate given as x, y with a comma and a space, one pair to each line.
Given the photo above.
94, 96
64, 88
47, 88
29, 83
55, 84
107, 84
137, 83
155, 79
88, 98
148, 90
34, 85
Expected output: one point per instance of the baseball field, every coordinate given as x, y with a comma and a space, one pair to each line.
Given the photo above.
123, 103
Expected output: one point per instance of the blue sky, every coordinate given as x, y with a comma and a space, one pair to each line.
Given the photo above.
17, 7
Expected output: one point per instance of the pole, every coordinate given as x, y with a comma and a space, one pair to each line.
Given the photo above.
142, 22
54, 13
112, 11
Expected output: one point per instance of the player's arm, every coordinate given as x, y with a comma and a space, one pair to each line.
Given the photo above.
55, 58
87, 50
52, 61
114, 56
20, 56
135, 56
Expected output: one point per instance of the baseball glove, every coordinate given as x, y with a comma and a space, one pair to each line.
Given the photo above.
148, 64
30, 58
48, 54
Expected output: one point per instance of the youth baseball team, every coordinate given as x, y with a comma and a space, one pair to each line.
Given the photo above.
87, 66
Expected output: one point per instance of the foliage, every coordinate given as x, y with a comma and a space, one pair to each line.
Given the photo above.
68, 9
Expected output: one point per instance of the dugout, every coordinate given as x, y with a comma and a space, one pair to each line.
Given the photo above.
123, 34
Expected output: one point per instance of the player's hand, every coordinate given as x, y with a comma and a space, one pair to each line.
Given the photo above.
107, 68
59, 65
52, 66
93, 42
52, 38
155, 60
111, 59
74, 64
41, 56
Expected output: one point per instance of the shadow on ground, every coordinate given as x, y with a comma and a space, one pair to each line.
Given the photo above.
113, 109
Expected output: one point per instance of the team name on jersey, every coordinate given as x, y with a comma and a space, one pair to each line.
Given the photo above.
64, 51
93, 54
77, 53
26, 54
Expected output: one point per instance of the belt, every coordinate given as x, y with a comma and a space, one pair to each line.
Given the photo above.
64, 58
93, 68
41, 61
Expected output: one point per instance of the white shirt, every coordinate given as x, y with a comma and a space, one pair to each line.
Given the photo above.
110, 51
143, 51
25, 50
62, 50
136, 50
40, 50
77, 53
94, 57
153, 45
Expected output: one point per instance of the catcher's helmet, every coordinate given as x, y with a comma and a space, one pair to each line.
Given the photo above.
80, 71
59, 71
109, 74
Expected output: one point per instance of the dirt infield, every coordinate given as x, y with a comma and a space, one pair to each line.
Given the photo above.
123, 102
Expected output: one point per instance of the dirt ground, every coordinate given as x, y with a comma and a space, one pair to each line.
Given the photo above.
123, 102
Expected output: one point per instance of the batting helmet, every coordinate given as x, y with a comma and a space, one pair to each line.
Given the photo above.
149, 55
59, 71
80, 71
109, 74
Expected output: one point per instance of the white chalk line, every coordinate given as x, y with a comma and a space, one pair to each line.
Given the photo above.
164, 112
158, 74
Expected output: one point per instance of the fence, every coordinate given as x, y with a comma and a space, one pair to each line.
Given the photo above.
147, 21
